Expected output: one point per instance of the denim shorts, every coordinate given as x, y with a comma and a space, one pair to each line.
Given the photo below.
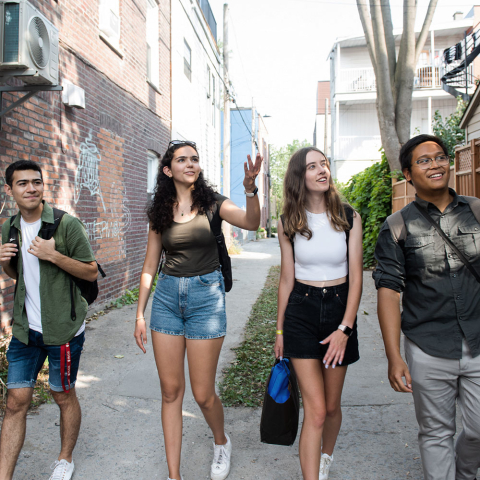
25, 361
312, 314
190, 306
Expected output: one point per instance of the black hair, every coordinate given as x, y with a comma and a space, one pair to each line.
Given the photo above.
21, 165
160, 209
408, 148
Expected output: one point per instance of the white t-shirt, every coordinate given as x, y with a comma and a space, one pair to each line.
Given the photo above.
31, 277
324, 256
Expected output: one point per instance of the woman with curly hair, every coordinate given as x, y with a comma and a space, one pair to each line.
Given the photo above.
188, 309
318, 298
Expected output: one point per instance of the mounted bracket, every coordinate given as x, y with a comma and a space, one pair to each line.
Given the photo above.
30, 91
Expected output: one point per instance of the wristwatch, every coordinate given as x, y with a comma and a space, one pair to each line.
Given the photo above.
346, 330
251, 194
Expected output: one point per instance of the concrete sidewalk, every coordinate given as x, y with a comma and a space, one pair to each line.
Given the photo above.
121, 436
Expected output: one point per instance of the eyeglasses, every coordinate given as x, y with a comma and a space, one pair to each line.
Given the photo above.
182, 142
426, 163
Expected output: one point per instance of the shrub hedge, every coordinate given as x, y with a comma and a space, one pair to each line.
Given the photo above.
370, 194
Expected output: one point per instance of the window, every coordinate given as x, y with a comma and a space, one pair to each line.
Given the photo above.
109, 20
152, 171
153, 65
187, 61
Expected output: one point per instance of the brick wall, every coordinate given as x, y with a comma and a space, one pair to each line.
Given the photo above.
95, 160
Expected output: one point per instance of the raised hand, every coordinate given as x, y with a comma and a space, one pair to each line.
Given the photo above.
251, 172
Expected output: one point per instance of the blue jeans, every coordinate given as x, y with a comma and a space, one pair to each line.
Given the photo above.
25, 361
190, 306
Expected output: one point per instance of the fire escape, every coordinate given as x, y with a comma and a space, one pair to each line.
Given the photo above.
459, 75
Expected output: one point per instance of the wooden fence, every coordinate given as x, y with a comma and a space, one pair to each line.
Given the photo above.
464, 177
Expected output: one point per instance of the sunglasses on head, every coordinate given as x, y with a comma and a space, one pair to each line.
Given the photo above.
182, 142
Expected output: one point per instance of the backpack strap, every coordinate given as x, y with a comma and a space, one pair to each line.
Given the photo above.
213, 215
49, 229
396, 224
13, 238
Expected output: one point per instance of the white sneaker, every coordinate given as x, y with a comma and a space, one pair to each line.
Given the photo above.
62, 470
174, 479
325, 464
221, 460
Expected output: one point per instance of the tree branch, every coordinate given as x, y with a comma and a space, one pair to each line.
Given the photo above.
425, 29
390, 40
367, 29
385, 101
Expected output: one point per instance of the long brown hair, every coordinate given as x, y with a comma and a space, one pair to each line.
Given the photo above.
295, 198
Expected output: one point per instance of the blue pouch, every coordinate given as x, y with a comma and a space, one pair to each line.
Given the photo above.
279, 380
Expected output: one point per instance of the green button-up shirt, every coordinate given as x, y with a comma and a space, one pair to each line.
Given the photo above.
58, 327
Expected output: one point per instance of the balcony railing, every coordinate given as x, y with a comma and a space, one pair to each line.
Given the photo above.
357, 80
354, 80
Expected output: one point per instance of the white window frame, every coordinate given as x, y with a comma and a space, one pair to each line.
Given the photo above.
109, 20
153, 57
152, 171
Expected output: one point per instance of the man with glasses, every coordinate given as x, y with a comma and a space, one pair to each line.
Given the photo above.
441, 309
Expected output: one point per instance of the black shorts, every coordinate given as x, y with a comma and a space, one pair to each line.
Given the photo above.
312, 314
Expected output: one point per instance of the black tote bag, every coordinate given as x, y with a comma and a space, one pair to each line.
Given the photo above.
279, 422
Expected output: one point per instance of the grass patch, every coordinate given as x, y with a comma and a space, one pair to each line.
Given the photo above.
244, 380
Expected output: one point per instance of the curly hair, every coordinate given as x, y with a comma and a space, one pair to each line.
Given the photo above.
160, 209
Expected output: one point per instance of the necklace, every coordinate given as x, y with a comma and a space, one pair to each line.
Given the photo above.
182, 212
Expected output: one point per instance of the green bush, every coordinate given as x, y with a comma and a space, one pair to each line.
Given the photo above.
448, 129
370, 194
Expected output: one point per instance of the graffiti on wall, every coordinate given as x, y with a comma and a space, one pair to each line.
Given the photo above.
118, 219
86, 175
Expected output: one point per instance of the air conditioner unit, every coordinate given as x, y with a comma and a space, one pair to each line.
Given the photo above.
109, 22
28, 44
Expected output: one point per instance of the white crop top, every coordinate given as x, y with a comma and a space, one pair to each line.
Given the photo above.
324, 256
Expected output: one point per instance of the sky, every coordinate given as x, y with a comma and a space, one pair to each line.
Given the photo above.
279, 49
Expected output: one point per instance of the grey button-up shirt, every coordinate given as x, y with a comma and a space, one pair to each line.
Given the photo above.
441, 298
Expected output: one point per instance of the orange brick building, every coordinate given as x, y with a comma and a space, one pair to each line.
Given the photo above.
97, 161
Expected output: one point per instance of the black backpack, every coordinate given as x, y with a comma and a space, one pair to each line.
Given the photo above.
89, 290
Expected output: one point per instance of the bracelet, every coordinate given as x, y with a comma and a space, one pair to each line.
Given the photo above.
139, 318
279, 332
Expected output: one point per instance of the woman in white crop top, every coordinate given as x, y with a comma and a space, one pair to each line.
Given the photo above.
318, 298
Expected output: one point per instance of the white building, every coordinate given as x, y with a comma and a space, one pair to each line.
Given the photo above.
196, 82
354, 125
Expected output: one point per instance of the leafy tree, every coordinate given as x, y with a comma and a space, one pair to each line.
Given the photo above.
448, 130
394, 73
370, 194
279, 158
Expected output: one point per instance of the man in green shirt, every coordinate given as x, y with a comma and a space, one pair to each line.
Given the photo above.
46, 322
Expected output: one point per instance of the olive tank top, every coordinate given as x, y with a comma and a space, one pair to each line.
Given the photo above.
190, 247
